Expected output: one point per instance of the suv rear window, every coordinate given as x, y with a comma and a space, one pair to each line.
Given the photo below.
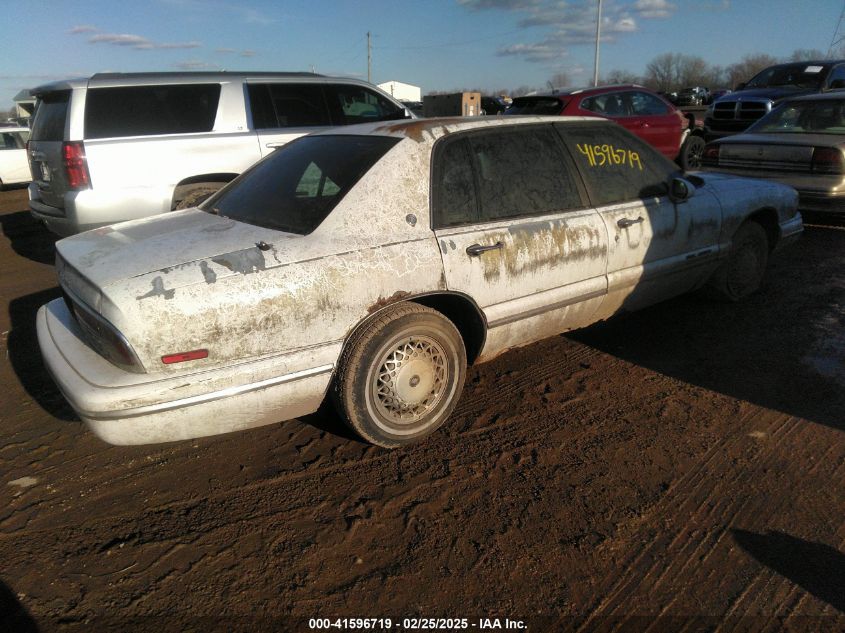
51, 117
536, 105
149, 110
296, 187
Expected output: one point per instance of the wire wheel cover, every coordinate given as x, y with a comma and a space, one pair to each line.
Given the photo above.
411, 379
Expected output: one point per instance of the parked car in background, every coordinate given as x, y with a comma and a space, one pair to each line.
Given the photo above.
122, 146
750, 101
694, 96
800, 143
635, 108
14, 168
492, 105
375, 262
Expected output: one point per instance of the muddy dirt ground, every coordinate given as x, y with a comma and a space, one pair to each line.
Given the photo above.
684, 463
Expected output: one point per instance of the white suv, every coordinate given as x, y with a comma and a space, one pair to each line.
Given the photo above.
123, 146
13, 165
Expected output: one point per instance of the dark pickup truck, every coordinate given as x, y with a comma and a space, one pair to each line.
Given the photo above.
734, 112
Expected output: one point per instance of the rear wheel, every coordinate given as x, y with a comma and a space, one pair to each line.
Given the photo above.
742, 273
692, 151
187, 196
402, 375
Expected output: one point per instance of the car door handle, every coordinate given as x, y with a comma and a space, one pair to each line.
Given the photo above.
624, 223
476, 249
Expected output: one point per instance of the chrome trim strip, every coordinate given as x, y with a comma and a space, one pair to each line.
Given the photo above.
547, 308
207, 397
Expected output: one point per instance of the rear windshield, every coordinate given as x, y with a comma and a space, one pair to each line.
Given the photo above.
297, 186
799, 76
51, 117
149, 110
804, 117
536, 105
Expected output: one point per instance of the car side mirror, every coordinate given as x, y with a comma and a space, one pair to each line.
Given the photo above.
681, 190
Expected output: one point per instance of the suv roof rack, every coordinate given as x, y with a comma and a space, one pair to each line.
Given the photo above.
203, 73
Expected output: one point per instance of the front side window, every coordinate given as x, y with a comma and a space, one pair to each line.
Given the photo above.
296, 187
355, 104
536, 105
616, 165
10, 141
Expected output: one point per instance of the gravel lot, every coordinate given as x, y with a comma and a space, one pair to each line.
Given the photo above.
685, 462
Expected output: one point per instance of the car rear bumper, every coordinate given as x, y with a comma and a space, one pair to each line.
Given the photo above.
90, 209
124, 408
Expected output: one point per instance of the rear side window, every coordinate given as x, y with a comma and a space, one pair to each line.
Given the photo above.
150, 110
616, 165
287, 105
296, 187
500, 174
51, 117
8, 140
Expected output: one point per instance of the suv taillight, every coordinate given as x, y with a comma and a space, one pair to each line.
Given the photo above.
76, 167
827, 160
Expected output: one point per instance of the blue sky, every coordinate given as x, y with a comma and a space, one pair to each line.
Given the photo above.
435, 44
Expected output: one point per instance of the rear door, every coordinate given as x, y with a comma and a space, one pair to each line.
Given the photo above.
516, 233
49, 131
283, 111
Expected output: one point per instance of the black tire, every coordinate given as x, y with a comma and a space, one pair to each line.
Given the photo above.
692, 151
187, 196
401, 376
742, 273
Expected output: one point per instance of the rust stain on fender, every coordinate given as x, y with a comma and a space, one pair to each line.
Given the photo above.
399, 295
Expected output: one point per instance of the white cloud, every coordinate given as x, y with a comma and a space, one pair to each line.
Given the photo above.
83, 28
654, 9
247, 53
195, 64
138, 42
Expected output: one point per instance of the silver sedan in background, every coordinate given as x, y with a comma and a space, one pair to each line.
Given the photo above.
800, 144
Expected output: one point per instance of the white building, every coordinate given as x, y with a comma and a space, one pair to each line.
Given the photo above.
402, 92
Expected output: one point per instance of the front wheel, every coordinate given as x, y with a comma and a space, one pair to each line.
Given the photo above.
742, 273
401, 376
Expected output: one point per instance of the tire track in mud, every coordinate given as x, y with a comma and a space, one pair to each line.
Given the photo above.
686, 540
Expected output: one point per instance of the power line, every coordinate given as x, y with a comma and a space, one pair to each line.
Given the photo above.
837, 37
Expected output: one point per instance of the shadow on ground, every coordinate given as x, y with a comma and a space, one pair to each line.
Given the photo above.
29, 238
782, 348
25, 355
817, 568
13, 616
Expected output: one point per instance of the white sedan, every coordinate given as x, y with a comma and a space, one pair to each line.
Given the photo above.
375, 262
14, 166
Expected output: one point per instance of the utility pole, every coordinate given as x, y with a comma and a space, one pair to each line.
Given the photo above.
369, 59
598, 35
837, 37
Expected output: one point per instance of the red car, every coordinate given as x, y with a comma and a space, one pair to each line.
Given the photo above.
635, 108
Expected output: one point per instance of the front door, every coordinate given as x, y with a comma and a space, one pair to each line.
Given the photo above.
657, 248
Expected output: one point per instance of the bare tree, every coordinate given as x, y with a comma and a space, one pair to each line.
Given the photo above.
621, 77
558, 80
806, 54
663, 72
749, 66
522, 90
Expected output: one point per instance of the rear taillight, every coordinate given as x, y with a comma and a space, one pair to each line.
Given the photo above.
711, 155
827, 160
76, 167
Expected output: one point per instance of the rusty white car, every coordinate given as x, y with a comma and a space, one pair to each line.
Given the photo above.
372, 264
